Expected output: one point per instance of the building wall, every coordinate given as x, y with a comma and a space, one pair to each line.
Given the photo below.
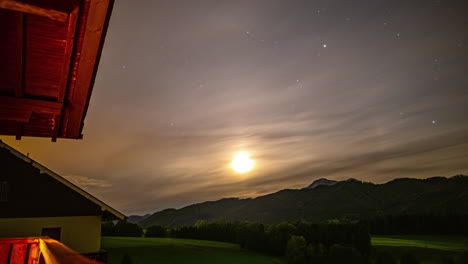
80, 233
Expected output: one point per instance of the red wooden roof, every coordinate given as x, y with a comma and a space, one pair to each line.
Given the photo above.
49, 53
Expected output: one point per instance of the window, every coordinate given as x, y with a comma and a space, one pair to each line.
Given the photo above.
3, 191
53, 232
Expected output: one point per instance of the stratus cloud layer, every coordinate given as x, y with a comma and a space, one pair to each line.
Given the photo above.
199, 81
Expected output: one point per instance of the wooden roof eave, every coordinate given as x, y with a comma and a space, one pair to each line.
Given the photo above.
87, 23
33, 9
84, 64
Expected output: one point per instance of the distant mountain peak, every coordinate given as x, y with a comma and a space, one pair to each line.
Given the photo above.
353, 180
321, 181
135, 219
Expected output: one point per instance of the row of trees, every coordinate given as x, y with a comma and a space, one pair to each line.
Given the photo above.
418, 224
228, 232
299, 241
121, 228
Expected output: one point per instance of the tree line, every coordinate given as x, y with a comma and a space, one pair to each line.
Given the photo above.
333, 241
299, 241
418, 224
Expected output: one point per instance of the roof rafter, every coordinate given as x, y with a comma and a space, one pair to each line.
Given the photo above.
35, 10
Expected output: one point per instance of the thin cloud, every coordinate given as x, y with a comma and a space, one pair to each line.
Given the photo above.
84, 181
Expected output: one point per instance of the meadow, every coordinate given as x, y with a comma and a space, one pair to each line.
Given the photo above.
427, 249
172, 250
443, 243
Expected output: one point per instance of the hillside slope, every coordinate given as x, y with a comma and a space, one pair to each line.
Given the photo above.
352, 199
137, 218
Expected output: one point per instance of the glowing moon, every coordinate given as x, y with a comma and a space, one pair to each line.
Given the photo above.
242, 163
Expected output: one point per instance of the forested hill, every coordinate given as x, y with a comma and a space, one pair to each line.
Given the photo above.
351, 199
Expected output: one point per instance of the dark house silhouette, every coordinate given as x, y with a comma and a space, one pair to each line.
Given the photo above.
35, 201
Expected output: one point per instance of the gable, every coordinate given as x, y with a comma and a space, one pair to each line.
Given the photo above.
35, 194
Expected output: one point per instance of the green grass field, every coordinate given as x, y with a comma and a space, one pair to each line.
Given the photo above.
427, 249
170, 250
445, 243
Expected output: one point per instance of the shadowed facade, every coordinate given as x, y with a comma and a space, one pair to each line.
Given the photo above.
38, 202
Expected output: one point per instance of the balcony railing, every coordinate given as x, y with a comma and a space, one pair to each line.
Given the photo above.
43, 250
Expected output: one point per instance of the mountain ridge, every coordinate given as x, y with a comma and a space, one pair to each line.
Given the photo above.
321, 181
137, 218
352, 199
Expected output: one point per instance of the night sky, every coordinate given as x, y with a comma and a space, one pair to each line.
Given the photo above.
365, 89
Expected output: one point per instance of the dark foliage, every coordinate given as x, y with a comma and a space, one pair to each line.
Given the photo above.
464, 258
343, 254
300, 241
447, 260
251, 236
156, 231
217, 231
385, 257
108, 229
419, 224
125, 229
296, 250
362, 240
316, 253
408, 258
278, 236
122, 228
126, 259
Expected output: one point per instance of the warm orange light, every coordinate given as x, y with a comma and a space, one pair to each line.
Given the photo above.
242, 163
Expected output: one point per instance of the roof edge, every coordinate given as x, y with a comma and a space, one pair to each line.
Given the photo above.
43, 169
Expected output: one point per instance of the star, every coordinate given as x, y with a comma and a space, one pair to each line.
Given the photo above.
433, 121
324, 45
